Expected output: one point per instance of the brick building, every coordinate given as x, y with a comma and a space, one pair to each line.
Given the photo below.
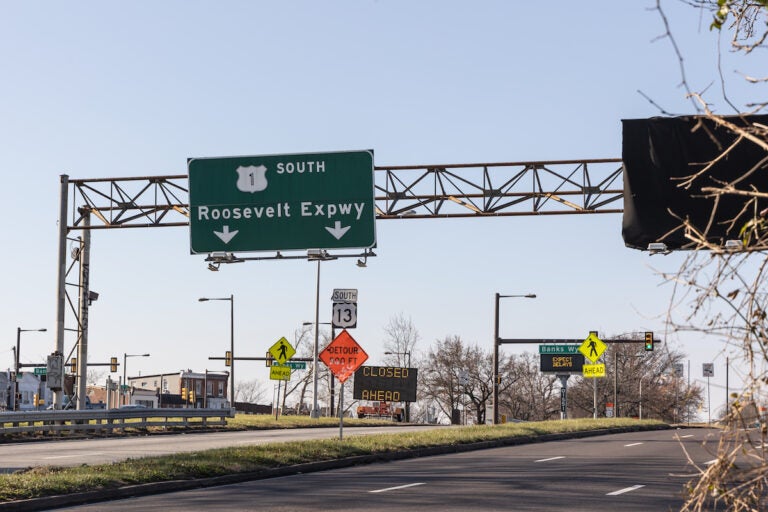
170, 388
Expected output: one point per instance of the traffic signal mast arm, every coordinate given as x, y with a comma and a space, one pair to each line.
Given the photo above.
529, 341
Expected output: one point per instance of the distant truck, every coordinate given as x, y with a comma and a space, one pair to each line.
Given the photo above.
381, 410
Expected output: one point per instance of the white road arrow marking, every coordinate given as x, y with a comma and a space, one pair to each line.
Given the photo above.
225, 234
337, 231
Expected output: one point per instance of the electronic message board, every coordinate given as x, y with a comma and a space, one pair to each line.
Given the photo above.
385, 383
562, 363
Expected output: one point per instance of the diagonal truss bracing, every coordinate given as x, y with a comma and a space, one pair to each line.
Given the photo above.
402, 192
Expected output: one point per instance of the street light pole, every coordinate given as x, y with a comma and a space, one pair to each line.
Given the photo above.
125, 372
315, 413
330, 375
17, 357
496, 343
231, 300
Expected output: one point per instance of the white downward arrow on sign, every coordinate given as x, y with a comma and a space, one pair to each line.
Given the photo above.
337, 231
225, 234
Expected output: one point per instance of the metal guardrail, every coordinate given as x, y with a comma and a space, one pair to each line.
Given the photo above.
107, 421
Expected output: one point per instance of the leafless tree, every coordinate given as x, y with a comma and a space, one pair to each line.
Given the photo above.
400, 338
462, 375
251, 391
725, 286
531, 397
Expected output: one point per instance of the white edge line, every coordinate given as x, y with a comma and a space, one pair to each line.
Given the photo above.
626, 489
398, 487
633, 444
551, 458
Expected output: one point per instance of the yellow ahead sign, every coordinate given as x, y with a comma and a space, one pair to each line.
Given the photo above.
282, 350
593, 371
593, 347
280, 372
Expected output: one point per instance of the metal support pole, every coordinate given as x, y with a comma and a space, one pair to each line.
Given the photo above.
125, 383
563, 396
615, 383
61, 297
408, 404
15, 390
315, 413
709, 405
594, 398
232, 348
332, 412
640, 407
496, 361
727, 389
82, 343
341, 410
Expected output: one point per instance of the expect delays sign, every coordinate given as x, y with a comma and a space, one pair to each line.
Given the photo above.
385, 383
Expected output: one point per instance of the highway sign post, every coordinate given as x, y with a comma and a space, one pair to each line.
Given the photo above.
282, 202
343, 356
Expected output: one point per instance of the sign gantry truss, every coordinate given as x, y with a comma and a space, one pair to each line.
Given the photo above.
401, 192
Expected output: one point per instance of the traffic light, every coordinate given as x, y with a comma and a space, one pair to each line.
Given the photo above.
269, 359
228, 358
649, 341
192, 396
184, 394
73, 362
113, 364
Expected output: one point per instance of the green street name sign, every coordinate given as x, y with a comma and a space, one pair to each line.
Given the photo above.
293, 365
282, 202
40, 371
559, 349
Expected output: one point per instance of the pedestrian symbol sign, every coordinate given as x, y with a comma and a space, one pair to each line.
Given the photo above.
282, 350
593, 347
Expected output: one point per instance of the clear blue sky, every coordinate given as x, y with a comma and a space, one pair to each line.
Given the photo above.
95, 89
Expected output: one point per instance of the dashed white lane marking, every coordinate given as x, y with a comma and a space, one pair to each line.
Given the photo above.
626, 489
633, 444
687, 435
52, 457
397, 487
710, 462
551, 458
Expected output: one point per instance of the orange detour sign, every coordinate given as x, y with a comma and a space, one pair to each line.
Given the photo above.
343, 356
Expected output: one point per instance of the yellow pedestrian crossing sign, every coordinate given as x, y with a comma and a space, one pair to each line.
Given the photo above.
593, 347
282, 350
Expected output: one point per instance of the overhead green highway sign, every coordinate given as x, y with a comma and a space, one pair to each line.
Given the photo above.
282, 202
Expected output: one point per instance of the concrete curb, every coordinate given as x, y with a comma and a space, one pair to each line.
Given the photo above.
130, 491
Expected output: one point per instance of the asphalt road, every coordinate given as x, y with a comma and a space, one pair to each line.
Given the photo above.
642, 471
97, 451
